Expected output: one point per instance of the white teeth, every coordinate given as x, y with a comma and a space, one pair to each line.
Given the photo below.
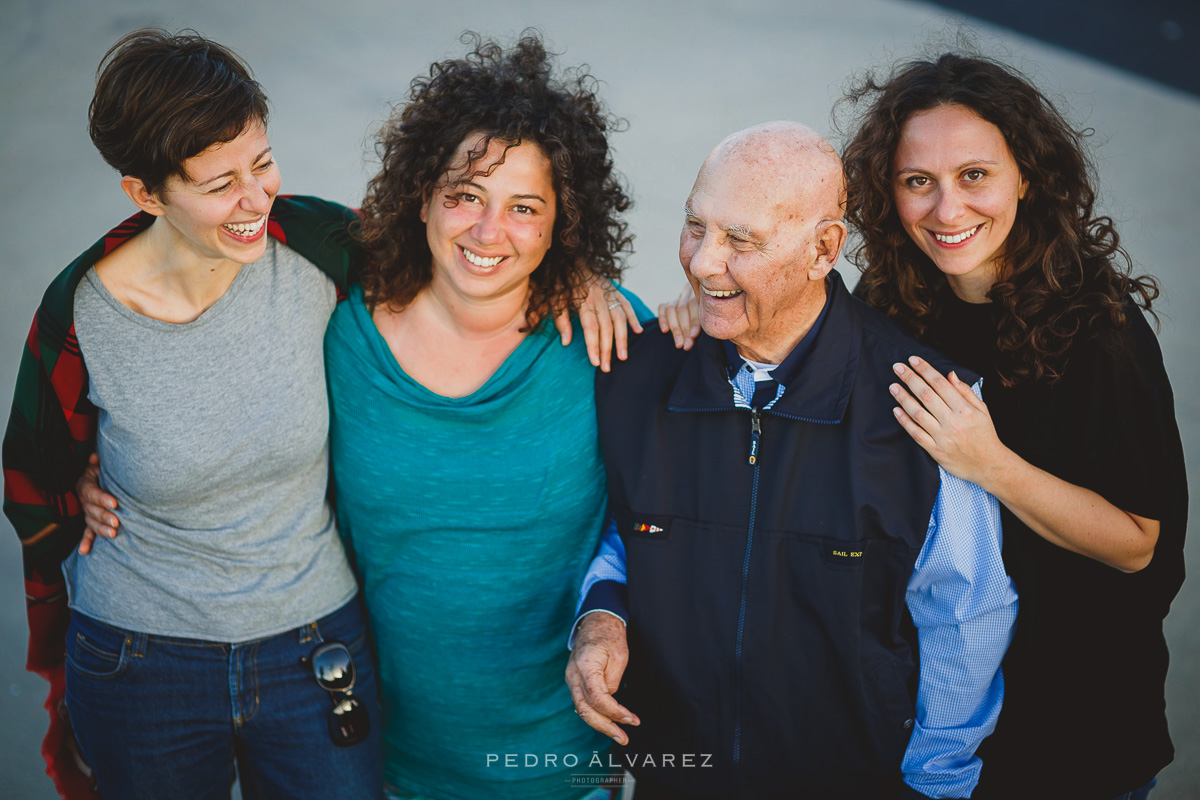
480, 261
246, 228
958, 237
715, 293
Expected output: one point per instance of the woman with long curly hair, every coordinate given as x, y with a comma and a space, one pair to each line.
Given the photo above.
469, 479
974, 199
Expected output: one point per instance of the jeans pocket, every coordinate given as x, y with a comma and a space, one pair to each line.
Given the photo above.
96, 651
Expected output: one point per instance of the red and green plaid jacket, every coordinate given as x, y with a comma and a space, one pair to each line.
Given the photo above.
52, 431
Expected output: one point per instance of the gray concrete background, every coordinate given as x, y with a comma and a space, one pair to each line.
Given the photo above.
683, 74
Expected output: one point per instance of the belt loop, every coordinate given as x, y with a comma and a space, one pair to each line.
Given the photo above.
309, 633
140, 640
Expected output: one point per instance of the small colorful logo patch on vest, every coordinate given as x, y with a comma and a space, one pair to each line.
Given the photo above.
650, 527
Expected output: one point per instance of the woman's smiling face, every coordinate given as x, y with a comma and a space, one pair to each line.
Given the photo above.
489, 229
219, 210
957, 187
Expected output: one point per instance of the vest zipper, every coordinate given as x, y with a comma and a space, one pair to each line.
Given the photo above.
755, 435
755, 431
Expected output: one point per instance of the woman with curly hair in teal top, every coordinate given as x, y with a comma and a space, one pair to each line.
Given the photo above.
469, 479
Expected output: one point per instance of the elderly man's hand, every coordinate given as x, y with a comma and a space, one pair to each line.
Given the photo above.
594, 673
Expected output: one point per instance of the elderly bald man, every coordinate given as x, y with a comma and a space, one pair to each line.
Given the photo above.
782, 556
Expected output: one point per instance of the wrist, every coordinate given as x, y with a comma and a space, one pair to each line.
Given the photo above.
599, 627
1000, 472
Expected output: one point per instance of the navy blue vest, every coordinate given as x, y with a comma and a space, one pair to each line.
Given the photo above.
770, 644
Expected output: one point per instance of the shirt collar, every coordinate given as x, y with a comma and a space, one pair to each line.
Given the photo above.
829, 360
790, 367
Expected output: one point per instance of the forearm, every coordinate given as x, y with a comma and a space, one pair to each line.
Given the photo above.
964, 606
952, 423
603, 588
958, 701
961, 688
1070, 516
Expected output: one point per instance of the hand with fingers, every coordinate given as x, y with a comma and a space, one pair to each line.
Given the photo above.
945, 417
606, 316
594, 673
97, 506
681, 319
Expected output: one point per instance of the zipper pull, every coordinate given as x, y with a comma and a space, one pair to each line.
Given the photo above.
755, 431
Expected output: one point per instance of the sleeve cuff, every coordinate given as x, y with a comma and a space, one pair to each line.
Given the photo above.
605, 597
907, 792
610, 596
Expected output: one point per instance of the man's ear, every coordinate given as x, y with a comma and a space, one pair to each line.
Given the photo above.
830, 236
142, 197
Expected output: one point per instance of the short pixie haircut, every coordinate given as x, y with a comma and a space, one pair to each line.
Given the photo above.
508, 96
162, 98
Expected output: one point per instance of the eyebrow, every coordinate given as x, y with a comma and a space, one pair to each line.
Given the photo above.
483, 189
230, 173
959, 168
741, 230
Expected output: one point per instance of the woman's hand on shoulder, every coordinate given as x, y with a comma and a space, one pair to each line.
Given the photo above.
945, 417
681, 319
97, 506
954, 426
606, 316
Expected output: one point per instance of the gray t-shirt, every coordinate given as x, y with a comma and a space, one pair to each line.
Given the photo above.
214, 437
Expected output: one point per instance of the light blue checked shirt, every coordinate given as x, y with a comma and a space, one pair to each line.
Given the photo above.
963, 604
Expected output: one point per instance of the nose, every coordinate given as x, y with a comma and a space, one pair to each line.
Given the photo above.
950, 206
256, 196
703, 256
488, 228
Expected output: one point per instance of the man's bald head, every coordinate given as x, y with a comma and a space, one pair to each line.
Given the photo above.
763, 228
791, 158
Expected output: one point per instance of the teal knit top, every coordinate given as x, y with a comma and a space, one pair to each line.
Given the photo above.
471, 521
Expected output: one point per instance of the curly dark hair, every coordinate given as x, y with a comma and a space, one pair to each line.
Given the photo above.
509, 96
1063, 271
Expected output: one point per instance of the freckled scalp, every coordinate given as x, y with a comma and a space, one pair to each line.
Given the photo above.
788, 159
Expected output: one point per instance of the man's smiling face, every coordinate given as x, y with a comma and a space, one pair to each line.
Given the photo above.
748, 244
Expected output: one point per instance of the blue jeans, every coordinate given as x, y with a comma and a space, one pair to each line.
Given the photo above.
162, 718
1139, 794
